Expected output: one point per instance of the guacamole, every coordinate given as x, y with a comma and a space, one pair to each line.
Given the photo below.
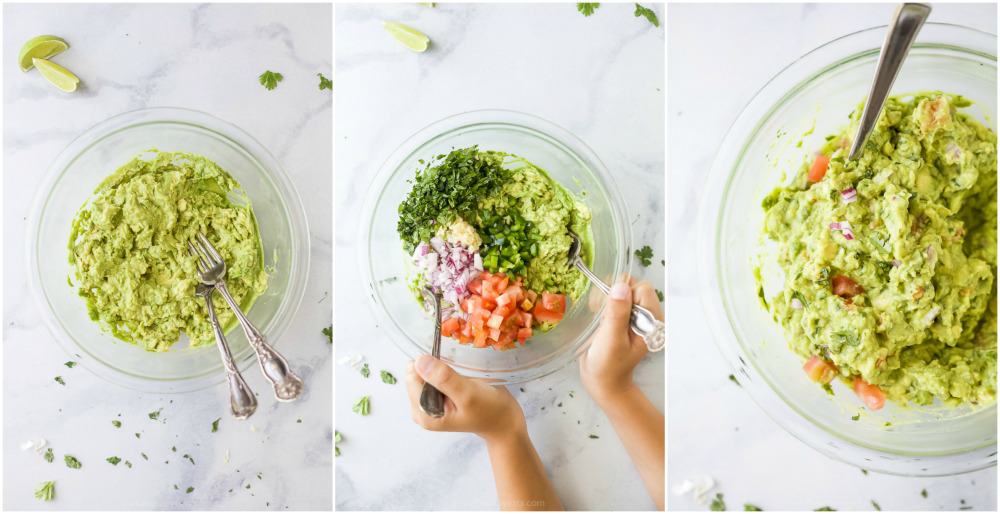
128, 248
889, 261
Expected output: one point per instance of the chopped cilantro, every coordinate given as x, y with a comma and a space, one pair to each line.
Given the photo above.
215, 425
69, 364
825, 509
732, 378
856, 417
365, 372
328, 332
644, 254
718, 504
144, 455
587, 9
189, 490
116, 423
49, 456
155, 415
593, 436
188, 457
387, 377
60, 380
324, 83
648, 14
114, 460
46, 491
128, 464
270, 79
362, 406
923, 492
749, 507
864, 471
137, 435
72, 462
659, 294
876, 505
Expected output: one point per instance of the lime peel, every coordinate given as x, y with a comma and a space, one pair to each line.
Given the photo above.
40, 47
60, 77
409, 36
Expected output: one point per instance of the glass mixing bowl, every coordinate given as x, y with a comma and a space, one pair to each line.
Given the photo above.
806, 101
71, 180
569, 162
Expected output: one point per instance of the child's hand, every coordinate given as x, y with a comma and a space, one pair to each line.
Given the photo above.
470, 405
606, 367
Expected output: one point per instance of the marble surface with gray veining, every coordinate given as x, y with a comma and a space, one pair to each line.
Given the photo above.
599, 77
719, 56
203, 57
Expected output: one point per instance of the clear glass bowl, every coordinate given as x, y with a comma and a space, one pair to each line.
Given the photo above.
71, 180
806, 101
569, 161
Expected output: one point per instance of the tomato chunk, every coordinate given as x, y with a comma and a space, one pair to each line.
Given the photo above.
845, 287
818, 169
819, 370
450, 326
873, 397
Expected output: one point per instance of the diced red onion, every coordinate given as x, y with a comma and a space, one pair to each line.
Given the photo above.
931, 314
849, 195
447, 268
953, 151
844, 227
796, 304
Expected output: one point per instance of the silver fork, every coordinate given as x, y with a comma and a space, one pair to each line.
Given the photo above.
212, 270
241, 399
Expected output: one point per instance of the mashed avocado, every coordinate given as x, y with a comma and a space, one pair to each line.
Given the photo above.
890, 260
128, 248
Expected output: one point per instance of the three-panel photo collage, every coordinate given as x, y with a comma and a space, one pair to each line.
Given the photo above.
475, 256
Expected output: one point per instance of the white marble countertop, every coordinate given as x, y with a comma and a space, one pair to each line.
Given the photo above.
204, 57
599, 77
714, 428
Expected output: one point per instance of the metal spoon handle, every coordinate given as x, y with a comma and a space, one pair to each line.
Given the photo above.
242, 401
903, 30
641, 321
432, 400
287, 385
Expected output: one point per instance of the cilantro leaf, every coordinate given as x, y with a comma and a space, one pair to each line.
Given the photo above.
49, 456
128, 464
718, 504
749, 507
387, 377
270, 79
362, 406
593, 436
587, 9
189, 490
72, 462
114, 460
365, 372
324, 83
215, 425
116, 423
155, 415
645, 255
328, 332
659, 294
60, 380
69, 364
648, 14
46, 491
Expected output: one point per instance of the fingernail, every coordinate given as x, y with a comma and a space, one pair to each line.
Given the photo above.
620, 291
426, 364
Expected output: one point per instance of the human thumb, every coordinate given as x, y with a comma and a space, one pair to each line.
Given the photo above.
618, 309
441, 376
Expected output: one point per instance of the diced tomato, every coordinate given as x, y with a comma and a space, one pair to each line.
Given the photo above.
490, 291
516, 292
505, 310
506, 299
554, 302
543, 315
845, 287
495, 321
873, 397
480, 339
450, 326
495, 334
523, 334
500, 281
819, 370
476, 285
526, 319
818, 169
507, 337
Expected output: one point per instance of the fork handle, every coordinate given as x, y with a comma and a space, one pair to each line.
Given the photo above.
242, 401
287, 385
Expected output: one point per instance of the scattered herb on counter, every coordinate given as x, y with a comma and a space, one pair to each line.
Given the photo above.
46, 491
173, 449
645, 256
337, 438
60, 380
49, 456
189, 490
923, 492
116, 423
128, 464
365, 372
587, 9
732, 378
659, 294
749, 507
648, 14
113, 460
387, 377
270, 79
876, 505
825, 508
155, 415
718, 503
328, 332
188, 457
571, 394
663, 262
828, 388
215, 425
144, 455
298, 420
593, 436
856, 417
138, 435
72, 462
324, 83
69, 364
864, 471
362, 406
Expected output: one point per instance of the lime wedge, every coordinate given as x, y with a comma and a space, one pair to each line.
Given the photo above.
409, 36
57, 75
41, 47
